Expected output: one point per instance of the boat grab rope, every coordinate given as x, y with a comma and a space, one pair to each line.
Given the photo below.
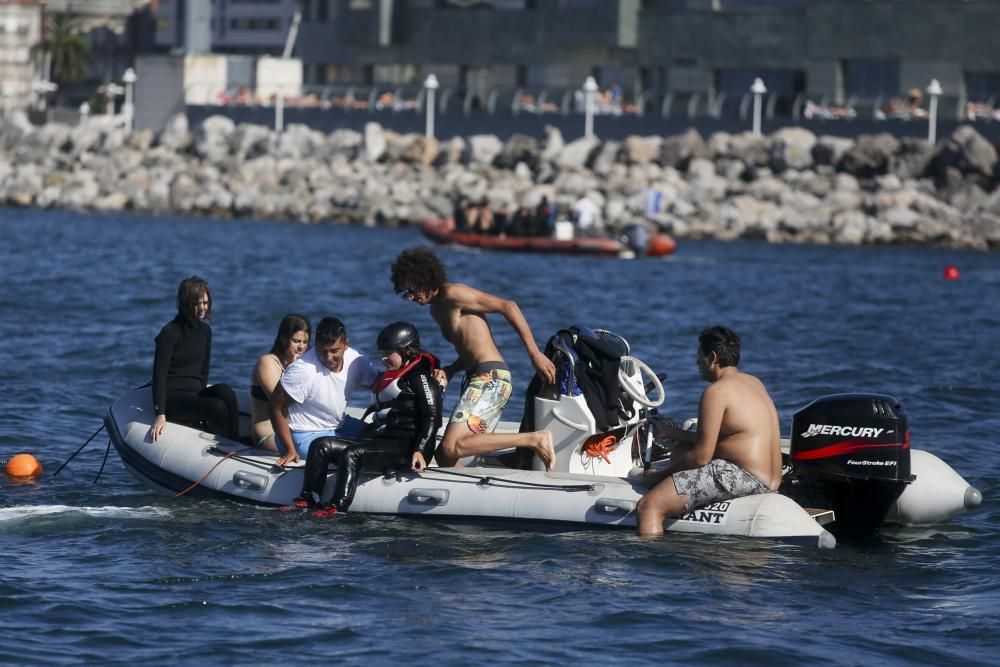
254, 462
212, 469
492, 481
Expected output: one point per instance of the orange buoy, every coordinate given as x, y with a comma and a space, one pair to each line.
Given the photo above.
951, 272
24, 465
660, 244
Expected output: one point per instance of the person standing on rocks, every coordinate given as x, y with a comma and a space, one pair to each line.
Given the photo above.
460, 311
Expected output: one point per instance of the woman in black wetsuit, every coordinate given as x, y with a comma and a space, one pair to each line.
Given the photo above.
180, 369
403, 433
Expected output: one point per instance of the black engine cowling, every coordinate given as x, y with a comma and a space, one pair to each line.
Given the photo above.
850, 453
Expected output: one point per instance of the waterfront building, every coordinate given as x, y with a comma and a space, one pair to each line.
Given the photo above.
20, 29
830, 52
253, 27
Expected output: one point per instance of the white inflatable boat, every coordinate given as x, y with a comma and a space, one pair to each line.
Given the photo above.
590, 485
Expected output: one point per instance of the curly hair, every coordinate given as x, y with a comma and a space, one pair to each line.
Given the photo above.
189, 293
724, 342
418, 269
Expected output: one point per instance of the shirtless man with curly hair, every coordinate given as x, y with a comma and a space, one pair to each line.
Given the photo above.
460, 311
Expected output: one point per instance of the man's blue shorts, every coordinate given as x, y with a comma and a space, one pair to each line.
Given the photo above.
349, 427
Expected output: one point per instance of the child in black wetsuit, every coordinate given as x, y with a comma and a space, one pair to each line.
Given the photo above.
403, 433
180, 369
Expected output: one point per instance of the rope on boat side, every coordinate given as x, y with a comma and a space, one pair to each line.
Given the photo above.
253, 462
212, 469
490, 481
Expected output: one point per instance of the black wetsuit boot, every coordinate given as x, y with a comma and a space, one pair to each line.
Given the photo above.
369, 456
322, 452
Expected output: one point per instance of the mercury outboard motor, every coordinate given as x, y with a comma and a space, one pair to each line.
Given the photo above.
850, 453
635, 237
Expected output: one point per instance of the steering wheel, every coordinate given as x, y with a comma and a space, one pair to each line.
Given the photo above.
636, 393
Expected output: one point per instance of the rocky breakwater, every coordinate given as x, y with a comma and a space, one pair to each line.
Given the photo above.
791, 186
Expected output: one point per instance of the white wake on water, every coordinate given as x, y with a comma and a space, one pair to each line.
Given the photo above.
25, 511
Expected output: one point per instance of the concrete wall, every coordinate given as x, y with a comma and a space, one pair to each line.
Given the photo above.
159, 90
685, 44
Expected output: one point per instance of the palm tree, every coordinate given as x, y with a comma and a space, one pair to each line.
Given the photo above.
69, 50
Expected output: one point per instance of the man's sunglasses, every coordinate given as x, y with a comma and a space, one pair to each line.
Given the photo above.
407, 294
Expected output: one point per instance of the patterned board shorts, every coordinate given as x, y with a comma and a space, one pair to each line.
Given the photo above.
719, 480
485, 393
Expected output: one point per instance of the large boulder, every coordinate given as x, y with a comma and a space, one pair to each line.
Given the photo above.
678, 151
519, 148
828, 150
176, 135
791, 148
375, 142
576, 154
913, 158
553, 143
642, 150
870, 156
80, 191
299, 141
484, 148
213, 139
966, 150
419, 149
344, 142
749, 148
54, 136
250, 141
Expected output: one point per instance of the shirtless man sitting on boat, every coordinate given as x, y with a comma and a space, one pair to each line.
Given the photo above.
460, 311
736, 450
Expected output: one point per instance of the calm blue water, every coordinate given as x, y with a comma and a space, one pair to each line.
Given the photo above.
111, 574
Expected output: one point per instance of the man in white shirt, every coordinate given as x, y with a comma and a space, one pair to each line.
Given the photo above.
311, 399
586, 213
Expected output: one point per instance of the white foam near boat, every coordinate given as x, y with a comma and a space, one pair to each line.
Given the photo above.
584, 490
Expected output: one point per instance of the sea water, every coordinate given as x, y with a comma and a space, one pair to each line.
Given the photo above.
109, 573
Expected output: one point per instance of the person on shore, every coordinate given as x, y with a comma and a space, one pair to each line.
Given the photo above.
545, 218
736, 450
460, 214
460, 311
586, 214
290, 343
403, 433
180, 369
310, 400
484, 217
501, 220
522, 222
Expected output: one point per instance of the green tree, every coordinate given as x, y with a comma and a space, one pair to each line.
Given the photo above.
70, 51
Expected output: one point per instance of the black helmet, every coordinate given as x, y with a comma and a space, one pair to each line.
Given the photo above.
397, 336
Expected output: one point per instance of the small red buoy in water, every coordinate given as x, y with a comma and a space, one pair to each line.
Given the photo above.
660, 244
24, 466
951, 272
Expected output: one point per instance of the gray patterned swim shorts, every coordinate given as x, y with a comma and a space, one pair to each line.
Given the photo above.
719, 480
